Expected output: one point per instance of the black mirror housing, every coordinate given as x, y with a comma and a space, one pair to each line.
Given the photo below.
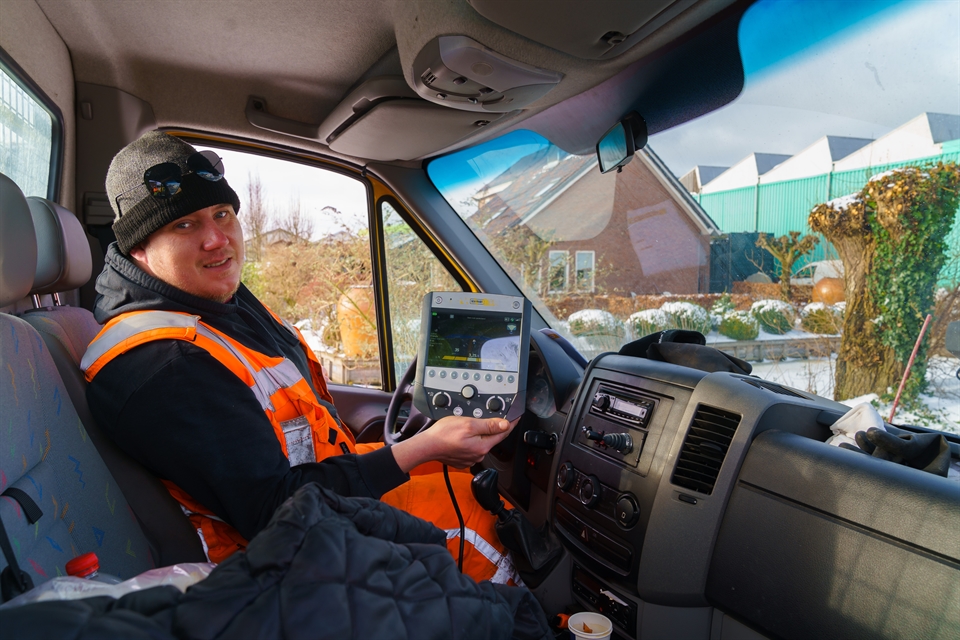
618, 145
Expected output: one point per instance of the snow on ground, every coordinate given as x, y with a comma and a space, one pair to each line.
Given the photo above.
815, 375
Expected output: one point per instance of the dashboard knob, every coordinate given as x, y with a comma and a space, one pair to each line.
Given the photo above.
441, 400
468, 391
494, 404
566, 474
601, 401
626, 511
590, 491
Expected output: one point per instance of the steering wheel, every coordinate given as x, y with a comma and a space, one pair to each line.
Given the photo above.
416, 422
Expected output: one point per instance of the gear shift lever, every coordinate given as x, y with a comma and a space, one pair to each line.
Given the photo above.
484, 487
532, 550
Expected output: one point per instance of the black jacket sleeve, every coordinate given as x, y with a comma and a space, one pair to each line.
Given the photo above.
179, 412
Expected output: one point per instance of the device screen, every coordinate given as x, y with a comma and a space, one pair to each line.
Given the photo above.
474, 340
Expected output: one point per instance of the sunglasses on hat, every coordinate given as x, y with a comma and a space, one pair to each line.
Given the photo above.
163, 180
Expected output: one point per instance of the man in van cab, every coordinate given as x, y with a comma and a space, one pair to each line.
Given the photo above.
207, 388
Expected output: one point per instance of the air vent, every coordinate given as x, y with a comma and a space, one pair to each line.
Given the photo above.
704, 449
769, 386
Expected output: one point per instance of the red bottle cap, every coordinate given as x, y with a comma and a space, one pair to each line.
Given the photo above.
84, 565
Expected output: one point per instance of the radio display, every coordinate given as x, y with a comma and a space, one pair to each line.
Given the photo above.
474, 340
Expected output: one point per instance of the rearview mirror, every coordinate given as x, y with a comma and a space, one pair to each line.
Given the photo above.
617, 146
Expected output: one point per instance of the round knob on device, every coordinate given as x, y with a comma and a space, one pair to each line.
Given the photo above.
468, 391
565, 476
494, 404
601, 401
441, 400
590, 491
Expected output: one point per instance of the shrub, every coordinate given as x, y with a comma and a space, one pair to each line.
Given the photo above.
687, 315
775, 316
740, 325
820, 318
649, 321
720, 309
594, 322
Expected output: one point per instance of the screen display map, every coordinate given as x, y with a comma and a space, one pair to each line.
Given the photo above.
474, 340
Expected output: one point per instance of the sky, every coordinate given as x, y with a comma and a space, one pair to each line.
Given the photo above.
863, 81
316, 188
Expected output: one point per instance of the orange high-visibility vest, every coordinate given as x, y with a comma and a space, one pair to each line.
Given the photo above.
303, 423
308, 431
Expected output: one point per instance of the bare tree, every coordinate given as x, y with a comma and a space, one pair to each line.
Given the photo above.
255, 216
787, 250
296, 221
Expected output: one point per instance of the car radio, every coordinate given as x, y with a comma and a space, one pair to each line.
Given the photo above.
473, 355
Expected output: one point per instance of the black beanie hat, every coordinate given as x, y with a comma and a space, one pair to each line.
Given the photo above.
140, 214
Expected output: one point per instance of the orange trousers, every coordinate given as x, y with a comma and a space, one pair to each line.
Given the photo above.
426, 496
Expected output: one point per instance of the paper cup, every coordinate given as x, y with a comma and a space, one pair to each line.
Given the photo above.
600, 626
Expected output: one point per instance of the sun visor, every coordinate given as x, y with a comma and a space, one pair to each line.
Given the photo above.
405, 129
458, 72
594, 30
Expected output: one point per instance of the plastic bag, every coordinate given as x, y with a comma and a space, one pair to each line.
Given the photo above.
180, 576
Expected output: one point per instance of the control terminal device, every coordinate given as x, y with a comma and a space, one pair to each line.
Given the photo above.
473, 355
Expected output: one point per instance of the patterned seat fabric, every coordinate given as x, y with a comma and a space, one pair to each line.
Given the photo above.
44, 449
63, 263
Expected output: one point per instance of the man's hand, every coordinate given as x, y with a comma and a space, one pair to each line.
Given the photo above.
456, 441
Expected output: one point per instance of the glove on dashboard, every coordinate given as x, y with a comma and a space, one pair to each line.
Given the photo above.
926, 451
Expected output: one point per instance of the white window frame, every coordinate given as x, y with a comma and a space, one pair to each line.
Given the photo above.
593, 270
566, 271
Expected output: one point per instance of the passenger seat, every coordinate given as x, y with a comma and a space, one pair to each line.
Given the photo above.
64, 263
57, 499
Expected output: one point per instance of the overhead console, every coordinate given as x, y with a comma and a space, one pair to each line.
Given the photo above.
381, 104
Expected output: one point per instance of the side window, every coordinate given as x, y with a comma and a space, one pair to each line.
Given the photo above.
412, 271
307, 257
585, 270
29, 135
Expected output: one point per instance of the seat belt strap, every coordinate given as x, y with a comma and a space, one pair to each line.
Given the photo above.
13, 580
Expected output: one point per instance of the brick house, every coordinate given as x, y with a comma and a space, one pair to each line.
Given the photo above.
579, 231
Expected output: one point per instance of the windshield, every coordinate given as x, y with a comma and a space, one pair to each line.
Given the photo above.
705, 227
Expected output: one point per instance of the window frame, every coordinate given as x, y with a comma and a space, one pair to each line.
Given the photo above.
593, 270
381, 285
566, 271
26, 83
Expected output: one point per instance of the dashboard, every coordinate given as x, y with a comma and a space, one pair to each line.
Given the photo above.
654, 476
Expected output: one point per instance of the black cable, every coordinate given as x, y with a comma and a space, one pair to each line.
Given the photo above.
456, 507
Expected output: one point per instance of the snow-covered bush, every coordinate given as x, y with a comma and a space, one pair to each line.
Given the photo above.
649, 321
775, 316
820, 318
739, 325
723, 306
595, 322
687, 315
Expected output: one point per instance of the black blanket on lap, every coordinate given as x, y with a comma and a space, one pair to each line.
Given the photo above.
325, 567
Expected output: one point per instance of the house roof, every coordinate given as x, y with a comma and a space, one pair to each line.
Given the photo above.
538, 192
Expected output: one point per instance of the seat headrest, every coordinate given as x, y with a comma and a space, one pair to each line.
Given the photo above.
63, 253
18, 244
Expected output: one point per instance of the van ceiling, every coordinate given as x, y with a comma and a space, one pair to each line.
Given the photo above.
197, 63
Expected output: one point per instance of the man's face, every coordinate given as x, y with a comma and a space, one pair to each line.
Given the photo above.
200, 253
